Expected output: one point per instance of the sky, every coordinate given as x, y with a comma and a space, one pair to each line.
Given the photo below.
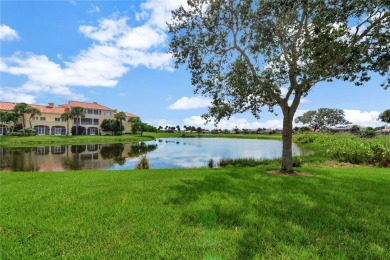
115, 53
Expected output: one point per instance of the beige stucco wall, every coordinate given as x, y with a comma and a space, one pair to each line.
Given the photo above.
50, 121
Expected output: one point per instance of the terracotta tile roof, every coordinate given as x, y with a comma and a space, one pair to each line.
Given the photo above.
7, 106
93, 105
51, 110
130, 115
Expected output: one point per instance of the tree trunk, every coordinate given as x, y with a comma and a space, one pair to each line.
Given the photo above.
23, 123
287, 144
77, 126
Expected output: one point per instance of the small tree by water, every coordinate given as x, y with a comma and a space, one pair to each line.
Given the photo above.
143, 163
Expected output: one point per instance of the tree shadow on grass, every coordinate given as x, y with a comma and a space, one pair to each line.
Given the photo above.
284, 216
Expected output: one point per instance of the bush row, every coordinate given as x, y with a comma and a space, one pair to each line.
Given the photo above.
27, 132
351, 149
248, 162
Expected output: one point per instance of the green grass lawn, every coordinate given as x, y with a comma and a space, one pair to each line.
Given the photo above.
231, 213
26, 141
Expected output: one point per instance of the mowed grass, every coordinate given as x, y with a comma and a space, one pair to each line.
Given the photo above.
232, 213
27, 141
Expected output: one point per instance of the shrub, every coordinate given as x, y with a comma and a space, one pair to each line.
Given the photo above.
210, 163
29, 132
143, 163
305, 138
351, 148
13, 134
369, 133
297, 161
243, 162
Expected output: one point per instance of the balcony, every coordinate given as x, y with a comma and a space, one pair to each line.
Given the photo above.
88, 121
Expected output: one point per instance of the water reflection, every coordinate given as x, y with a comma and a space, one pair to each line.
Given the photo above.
72, 157
196, 152
162, 153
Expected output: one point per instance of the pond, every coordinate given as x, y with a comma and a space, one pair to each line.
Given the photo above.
162, 153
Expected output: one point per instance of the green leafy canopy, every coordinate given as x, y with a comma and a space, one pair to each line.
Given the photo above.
242, 53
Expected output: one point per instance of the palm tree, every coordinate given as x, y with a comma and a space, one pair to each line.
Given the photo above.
120, 117
66, 117
77, 112
5, 118
21, 109
12, 117
33, 112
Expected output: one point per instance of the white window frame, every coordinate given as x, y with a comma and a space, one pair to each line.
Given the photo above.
41, 130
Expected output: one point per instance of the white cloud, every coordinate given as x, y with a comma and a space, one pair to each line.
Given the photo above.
233, 122
94, 9
185, 103
162, 122
142, 37
158, 12
108, 30
305, 101
7, 33
16, 95
117, 48
356, 117
364, 118
283, 94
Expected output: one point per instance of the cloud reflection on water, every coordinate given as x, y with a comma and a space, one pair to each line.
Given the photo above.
196, 152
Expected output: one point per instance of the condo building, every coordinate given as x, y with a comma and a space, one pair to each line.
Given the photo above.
50, 122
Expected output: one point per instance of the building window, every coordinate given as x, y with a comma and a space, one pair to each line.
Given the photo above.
107, 113
57, 149
89, 111
43, 118
97, 112
41, 150
57, 119
86, 121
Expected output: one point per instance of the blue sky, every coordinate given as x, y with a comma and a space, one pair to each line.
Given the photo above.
114, 53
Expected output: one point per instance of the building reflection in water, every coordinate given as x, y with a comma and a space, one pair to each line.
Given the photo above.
70, 157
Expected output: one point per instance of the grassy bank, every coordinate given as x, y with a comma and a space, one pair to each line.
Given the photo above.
348, 148
234, 213
17, 141
27, 141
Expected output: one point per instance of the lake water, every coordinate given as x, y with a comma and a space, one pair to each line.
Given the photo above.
162, 153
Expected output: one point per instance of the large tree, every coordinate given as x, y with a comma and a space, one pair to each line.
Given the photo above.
77, 113
112, 125
249, 54
385, 116
22, 109
140, 127
323, 117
